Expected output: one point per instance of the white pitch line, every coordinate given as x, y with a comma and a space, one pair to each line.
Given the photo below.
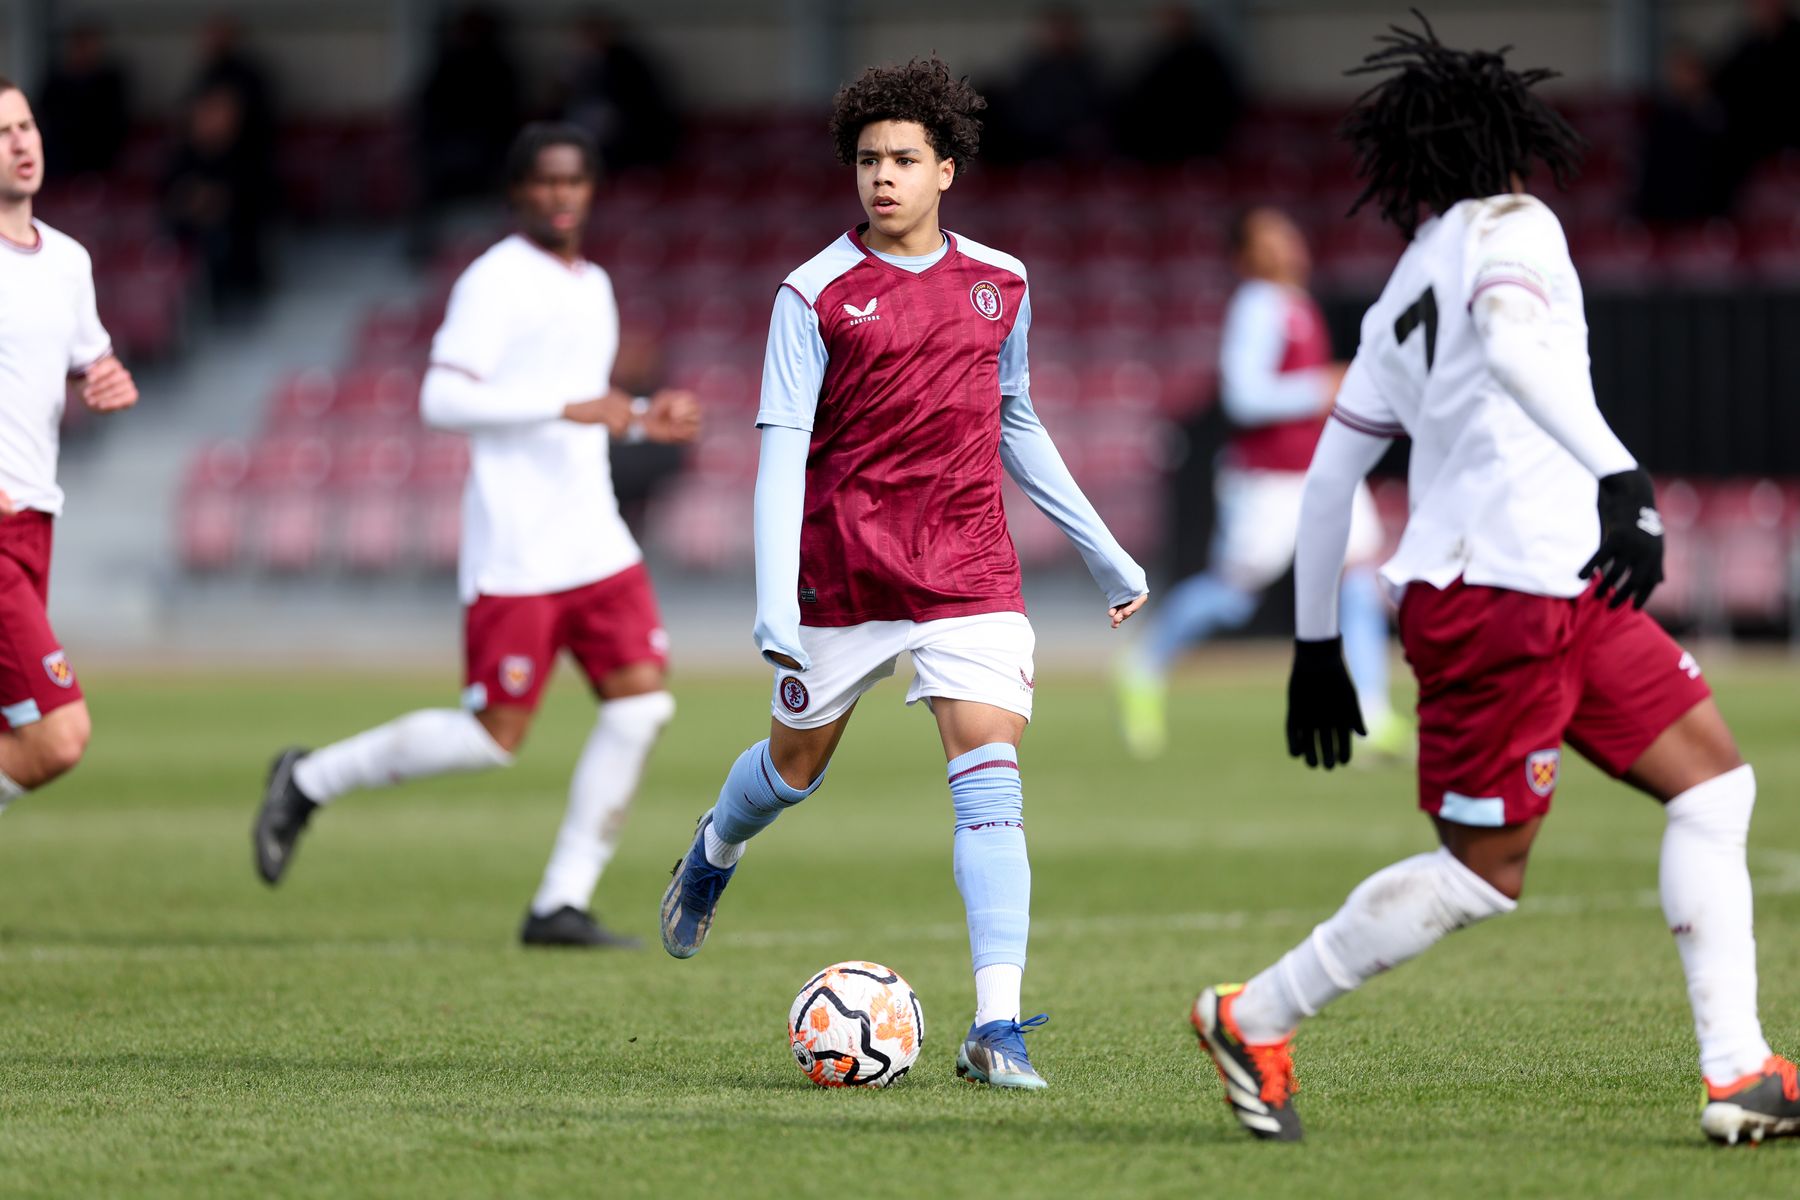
1784, 880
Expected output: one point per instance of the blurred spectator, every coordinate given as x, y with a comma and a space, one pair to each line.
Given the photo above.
83, 108
616, 93
225, 65
1759, 83
1185, 101
217, 197
1686, 172
1056, 106
466, 115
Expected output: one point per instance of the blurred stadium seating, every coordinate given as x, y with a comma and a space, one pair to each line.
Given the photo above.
1129, 278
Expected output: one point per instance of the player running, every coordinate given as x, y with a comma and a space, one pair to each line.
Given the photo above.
894, 391
522, 365
50, 337
1477, 350
1277, 382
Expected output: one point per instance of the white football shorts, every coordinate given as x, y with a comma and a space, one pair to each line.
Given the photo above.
985, 658
1259, 521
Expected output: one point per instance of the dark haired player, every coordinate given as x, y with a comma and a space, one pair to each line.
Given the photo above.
895, 390
522, 365
1276, 386
1477, 350
50, 337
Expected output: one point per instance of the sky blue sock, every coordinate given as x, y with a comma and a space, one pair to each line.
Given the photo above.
1362, 615
1194, 610
754, 795
992, 872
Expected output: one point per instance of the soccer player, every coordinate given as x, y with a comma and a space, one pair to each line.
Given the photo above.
1277, 382
50, 337
522, 365
1521, 632
895, 389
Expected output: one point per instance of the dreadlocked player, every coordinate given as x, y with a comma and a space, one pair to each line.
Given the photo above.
1521, 633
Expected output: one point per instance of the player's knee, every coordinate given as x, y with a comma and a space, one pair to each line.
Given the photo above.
638, 718
507, 726
58, 743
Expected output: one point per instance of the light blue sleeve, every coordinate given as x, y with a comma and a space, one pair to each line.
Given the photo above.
1034, 463
1015, 360
779, 511
1255, 390
793, 364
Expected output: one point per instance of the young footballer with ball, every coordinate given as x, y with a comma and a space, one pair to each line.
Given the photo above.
895, 392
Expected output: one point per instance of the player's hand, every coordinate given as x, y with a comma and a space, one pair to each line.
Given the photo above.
674, 416
612, 410
1120, 613
107, 386
1630, 558
7, 507
1322, 708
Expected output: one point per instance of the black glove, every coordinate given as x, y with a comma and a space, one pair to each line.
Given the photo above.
1322, 708
1629, 560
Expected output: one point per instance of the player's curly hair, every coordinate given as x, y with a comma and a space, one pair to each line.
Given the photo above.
923, 91
1447, 125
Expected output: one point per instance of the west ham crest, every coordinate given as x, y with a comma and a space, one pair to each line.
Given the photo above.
57, 667
1540, 770
515, 674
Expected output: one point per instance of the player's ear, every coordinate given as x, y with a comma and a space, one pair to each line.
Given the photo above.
946, 173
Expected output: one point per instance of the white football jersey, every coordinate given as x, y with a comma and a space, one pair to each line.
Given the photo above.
534, 334
48, 332
1492, 497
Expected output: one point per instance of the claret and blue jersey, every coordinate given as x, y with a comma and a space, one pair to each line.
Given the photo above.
911, 376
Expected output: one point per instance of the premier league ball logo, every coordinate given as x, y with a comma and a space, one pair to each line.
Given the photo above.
986, 299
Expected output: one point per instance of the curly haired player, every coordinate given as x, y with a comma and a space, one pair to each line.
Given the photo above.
895, 390
1521, 633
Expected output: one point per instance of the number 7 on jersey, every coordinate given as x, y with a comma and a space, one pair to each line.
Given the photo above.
1422, 311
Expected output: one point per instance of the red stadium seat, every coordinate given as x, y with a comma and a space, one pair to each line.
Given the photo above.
303, 401
379, 394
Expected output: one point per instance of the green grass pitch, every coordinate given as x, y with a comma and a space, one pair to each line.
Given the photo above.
169, 1027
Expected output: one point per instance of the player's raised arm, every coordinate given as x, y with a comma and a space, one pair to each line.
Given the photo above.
1035, 464
793, 372
1545, 370
1322, 706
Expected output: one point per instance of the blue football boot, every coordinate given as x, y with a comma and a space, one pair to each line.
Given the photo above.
995, 1054
692, 896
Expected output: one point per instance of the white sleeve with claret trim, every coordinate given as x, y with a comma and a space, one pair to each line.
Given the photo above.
460, 392
1346, 453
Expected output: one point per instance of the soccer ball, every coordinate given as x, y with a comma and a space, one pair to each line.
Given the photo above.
855, 1024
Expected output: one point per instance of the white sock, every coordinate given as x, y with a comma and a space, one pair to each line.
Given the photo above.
1393, 915
997, 992
721, 853
1706, 898
606, 776
9, 790
432, 741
